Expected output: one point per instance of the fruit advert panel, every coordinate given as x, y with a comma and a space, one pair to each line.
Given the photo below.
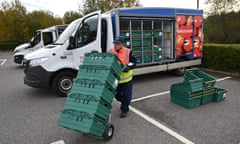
189, 36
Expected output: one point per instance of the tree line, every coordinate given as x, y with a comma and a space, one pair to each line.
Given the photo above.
222, 22
17, 25
224, 28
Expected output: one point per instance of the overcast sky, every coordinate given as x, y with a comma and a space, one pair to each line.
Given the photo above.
59, 7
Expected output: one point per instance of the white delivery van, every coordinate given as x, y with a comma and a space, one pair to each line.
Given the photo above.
161, 39
42, 37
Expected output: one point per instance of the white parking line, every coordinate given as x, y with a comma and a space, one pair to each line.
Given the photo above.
151, 96
224, 78
58, 142
161, 126
167, 92
3, 61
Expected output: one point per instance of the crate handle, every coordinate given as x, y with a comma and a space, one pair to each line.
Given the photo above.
89, 81
85, 100
102, 67
99, 119
105, 103
75, 113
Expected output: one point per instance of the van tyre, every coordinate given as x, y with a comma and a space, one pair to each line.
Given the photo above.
179, 72
62, 83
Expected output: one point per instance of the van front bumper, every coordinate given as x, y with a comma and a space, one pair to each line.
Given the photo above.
37, 77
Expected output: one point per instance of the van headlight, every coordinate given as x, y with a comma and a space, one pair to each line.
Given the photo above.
38, 61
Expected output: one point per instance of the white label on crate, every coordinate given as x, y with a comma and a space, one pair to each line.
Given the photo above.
127, 34
58, 142
128, 43
224, 95
160, 33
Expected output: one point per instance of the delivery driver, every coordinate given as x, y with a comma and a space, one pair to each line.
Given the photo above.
124, 89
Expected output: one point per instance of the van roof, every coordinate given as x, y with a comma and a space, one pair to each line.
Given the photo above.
156, 11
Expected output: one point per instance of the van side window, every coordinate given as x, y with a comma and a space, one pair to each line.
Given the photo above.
47, 38
87, 31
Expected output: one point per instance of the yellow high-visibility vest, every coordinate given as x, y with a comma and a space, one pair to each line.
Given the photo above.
123, 56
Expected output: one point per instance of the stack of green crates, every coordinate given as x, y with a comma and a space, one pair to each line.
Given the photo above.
89, 103
196, 89
136, 43
157, 53
142, 44
157, 34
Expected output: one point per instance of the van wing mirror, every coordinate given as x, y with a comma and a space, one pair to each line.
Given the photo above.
31, 43
71, 42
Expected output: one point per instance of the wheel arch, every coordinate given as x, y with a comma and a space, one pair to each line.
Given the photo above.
62, 70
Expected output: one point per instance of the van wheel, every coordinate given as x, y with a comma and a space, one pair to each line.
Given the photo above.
179, 72
62, 83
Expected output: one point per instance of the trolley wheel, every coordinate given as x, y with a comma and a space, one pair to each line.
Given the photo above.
108, 133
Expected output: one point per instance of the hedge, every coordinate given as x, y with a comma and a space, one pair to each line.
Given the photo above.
221, 57
7, 45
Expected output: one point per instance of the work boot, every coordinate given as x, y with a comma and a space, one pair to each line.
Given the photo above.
123, 114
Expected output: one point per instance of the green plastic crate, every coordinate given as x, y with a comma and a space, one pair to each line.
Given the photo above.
139, 59
187, 102
93, 87
137, 49
127, 43
125, 35
157, 57
103, 59
184, 91
147, 49
207, 96
147, 42
136, 33
101, 73
90, 104
181, 94
147, 58
190, 86
137, 52
147, 34
157, 33
208, 81
157, 49
219, 94
136, 43
82, 122
157, 53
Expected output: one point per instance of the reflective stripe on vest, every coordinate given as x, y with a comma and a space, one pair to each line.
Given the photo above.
126, 77
123, 56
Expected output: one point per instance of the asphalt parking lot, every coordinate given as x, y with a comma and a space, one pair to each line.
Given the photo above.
29, 116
